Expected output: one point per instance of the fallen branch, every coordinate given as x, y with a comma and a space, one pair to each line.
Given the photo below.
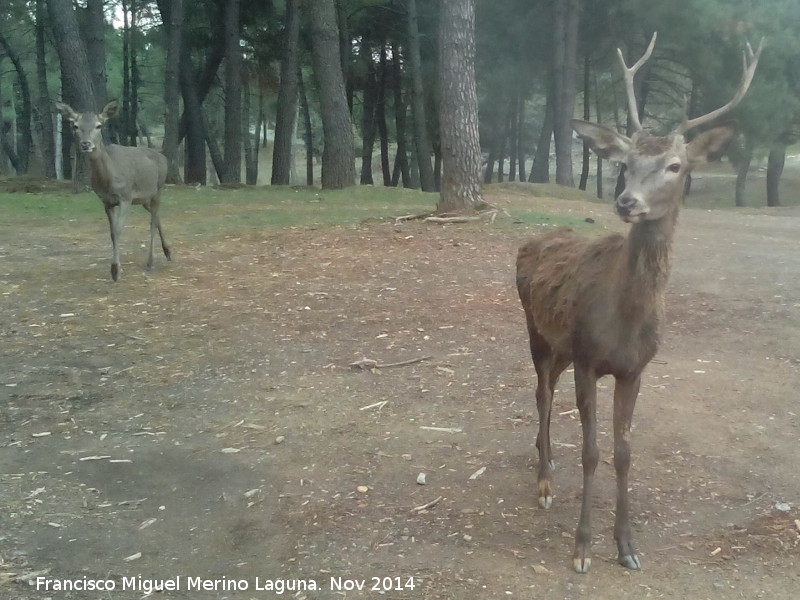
369, 364
428, 505
491, 215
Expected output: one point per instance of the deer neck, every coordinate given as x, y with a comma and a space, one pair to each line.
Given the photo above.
100, 166
647, 265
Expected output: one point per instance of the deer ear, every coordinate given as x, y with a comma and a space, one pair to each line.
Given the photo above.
604, 141
67, 111
710, 145
109, 110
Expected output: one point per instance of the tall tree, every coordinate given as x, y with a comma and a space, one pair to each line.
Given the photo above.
172, 17
565, 47
458, 112
338, 160
285, 119
421, 139
44, 110
232, 169
94, 28
78, 90
19, 156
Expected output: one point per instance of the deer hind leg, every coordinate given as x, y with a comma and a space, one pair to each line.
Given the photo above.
543, 362
155, 226
156, 204
625, 393
586, 394
116, 221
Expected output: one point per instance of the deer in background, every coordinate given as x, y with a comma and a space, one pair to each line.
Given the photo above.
599, 303
121, 176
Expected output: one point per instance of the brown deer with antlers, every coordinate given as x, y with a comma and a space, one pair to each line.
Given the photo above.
599, 303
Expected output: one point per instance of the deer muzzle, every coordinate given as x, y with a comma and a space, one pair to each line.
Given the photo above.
630, 208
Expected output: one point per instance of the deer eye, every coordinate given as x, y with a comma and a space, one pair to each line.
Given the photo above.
99, 126
674, 167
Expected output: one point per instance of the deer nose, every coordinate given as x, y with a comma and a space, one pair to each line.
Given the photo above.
86, 146
625, 203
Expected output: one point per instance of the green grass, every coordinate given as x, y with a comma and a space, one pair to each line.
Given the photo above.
209, 209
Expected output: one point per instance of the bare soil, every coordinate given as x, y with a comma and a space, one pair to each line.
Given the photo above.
203, 419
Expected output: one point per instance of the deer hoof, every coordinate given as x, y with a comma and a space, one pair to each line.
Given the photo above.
582, 564
545, 502
115, 272
168, 253
630, 561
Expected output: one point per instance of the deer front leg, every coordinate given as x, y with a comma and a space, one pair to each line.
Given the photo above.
625, 394
586, 394
116, 217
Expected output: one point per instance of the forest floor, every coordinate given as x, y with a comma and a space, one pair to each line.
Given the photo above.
203, 420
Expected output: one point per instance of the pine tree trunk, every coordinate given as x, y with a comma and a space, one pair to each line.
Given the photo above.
133, 127
586, 116
565, 44
540, 171
287, 99
380, 118
742, 168
338, 160
172, 17
24, 138
45, 110
195, 164
96, 50
368, 116
421, 139
232, 160
400, 114
308, 136
458, 113
775, 162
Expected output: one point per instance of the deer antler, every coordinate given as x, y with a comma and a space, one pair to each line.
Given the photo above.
629, 74
749, 64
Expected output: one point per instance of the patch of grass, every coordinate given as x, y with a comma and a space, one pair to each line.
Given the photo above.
203, 210
540, 190
539, 219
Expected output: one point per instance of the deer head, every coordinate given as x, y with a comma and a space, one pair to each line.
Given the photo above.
87, 126
655, 167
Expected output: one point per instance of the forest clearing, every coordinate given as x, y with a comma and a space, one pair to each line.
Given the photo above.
221, 416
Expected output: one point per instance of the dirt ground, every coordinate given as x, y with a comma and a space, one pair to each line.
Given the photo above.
202, 420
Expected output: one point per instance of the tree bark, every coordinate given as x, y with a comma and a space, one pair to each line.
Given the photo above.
232, 161
96, 50
338, 158
368, 116
540, 171
250, 149
565, 45
286, 116
44, 106
421, 138
24, 138
308, 133
458, 113
400, 115
135, 78
195, 164
78, 90
586, 158
775, 162
742, 168
172, 17
380, 117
